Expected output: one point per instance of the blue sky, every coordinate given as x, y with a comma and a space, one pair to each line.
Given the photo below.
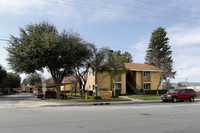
124, 25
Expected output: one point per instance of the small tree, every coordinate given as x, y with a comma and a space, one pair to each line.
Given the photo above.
180, 84
115, 66
167, 85
98, 56
12, 80
159, 54
33, 79
3, 75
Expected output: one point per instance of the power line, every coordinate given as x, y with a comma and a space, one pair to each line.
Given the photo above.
133, 6
4, 40
135, 49
157, 4
80, 4
142, 51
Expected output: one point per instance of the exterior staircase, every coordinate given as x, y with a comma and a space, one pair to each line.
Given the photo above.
134, 87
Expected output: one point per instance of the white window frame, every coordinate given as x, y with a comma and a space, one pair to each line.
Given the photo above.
146, 74
145, 86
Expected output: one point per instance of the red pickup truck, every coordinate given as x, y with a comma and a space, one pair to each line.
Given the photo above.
179, 95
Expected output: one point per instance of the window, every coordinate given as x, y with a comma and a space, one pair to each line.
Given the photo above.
93, 87
146, 74
117, 85
93, 72
186, 91
192, 92
146, 86
89, 86
181, 91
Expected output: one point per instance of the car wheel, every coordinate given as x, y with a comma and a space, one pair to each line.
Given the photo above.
174, 99
191, 99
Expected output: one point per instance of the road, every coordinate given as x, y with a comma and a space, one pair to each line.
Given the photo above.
132, 118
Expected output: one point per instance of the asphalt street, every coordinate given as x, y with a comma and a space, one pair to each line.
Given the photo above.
182, 117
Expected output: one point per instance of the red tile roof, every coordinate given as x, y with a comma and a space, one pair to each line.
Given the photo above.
141, 67
72, 77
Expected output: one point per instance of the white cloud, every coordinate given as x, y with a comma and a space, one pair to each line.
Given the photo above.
185, 40
89, 11
184, 35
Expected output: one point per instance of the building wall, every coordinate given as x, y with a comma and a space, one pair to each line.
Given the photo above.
90, 80
67, 87
139, 79
104, 80
123, 83
154, 78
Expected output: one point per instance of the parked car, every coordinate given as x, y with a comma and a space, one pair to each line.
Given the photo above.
35, 92
49, 94
179, 95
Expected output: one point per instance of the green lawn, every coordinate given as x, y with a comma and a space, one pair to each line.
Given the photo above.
146, 97
90, 100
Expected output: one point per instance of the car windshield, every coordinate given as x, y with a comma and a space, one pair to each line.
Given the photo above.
173, 91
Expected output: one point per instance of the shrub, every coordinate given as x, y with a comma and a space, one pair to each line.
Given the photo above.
103, 89
118, 91
97, 97
115, 96
154, 92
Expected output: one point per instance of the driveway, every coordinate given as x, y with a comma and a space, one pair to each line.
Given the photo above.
20, 100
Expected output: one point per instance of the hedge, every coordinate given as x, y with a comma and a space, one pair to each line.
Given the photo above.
154, 92
103, 89
117, 90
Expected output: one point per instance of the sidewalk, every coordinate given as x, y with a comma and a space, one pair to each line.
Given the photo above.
133, 101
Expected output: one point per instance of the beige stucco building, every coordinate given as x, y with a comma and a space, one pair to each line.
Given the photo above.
138, 77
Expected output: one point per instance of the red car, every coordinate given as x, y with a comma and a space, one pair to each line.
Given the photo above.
179, 95
48, 94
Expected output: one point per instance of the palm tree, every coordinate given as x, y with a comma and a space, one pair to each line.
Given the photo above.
96, 61
115, 66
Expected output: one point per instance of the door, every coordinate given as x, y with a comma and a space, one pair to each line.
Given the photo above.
181, 95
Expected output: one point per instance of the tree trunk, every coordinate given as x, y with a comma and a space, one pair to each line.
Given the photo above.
158, 87
96, 83
58, 90
114, 88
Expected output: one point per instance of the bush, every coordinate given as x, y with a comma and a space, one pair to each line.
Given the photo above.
118, 91
97, 97
115, 96
154, 92
103, 89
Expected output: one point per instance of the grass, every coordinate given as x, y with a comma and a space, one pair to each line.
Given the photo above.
146, 97
90, 100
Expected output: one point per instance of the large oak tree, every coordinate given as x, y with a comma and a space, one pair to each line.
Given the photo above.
41, 46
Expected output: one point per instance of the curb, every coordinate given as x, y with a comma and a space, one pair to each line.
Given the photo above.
98, 104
